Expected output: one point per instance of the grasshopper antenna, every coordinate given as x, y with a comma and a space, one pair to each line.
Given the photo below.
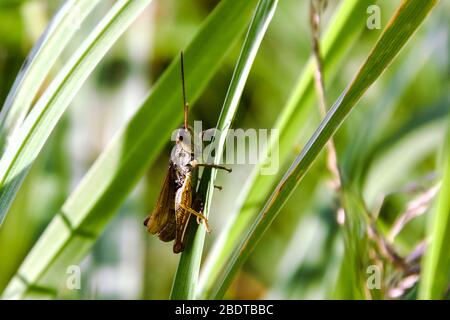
186, 105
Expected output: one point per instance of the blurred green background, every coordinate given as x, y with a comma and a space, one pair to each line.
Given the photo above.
300, 255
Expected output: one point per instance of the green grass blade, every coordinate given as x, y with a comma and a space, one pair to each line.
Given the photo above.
39, 62
343, 32
401, 27
435, 276
86, 212
188, 269
25, 145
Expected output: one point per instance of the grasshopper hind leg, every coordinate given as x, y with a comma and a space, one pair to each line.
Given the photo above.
199, 216
198, 205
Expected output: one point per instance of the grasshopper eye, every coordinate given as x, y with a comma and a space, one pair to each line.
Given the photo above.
180, 138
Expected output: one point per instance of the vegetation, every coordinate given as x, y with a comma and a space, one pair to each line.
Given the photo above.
357, 93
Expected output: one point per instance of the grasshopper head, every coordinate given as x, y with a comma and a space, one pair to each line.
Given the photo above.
185, 139
185, 149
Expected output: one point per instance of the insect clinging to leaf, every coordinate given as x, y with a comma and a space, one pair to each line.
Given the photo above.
178, 199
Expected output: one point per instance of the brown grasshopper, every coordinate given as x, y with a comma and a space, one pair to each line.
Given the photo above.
178, 194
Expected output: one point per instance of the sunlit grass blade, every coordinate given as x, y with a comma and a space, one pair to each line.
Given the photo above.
25, 145
188, 269
342, 33
84, 215
39, 62
406, 20
17, 237
435, 277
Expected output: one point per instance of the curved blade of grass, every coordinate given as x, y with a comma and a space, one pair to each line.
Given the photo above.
344, 30
85, 213
407, 19
436, 265
39, 62
188, 268
25, 145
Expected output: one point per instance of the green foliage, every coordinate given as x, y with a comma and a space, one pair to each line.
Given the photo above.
24, 145
344, 28
38, 64
404, 23
284, 235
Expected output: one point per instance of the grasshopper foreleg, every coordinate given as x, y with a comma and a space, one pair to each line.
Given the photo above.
195, 163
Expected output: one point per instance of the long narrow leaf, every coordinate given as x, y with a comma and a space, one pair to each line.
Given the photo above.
189, 265
25, 145
39, 62
436, 271
407, 19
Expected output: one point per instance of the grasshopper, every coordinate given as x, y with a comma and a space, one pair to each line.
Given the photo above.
178, 197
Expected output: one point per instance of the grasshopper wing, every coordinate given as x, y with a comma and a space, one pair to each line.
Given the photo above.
162, 219
167, 233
